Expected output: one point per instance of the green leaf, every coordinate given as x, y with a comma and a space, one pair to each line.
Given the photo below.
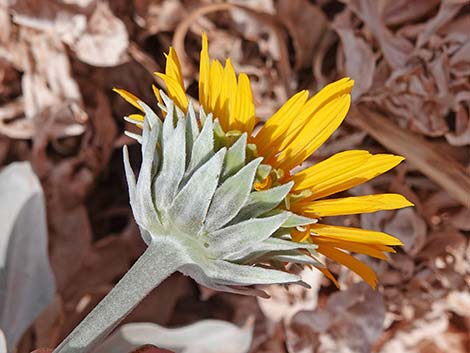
144, 182
229, 273
240, 236
150, 116
203, 148
173, 164
190, 206
269, 245
230, 197
260, 202
235, 157
192, 131
296, 257
296, 220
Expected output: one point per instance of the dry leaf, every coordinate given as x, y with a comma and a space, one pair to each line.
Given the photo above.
395, 49
207, 336
407, 226
27, 283
360, 60
351, 321
286, 302
104, 41
297, 16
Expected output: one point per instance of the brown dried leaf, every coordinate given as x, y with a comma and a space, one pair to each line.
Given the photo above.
161, 16
360, 60
442, 242
286, 302
47, 327
407, 226
446, 12
434, 332
48, 89
351, 322
461, 220
395, 49
105, 40
398, 12
297, 16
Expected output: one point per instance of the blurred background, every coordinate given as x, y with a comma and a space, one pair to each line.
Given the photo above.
60, 59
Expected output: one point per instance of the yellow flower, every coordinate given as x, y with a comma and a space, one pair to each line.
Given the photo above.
285, 141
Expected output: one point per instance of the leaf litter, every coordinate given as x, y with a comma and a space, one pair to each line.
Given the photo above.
59, 61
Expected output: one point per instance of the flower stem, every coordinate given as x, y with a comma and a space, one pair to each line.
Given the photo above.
157, 262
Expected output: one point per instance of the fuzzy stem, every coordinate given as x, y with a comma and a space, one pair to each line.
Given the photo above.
153, 266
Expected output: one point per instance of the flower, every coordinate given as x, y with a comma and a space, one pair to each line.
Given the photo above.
282, 144
194, 199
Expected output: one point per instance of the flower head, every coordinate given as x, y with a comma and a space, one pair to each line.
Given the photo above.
243, 196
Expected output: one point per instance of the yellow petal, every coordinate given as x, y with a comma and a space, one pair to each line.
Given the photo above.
316, 131
384, 248
300, 236
173, 67
329, 93
343, 171
365, 249
268, 138
350, 262
175, 91
129, 98
357, 235
263, 184
242, 111
339, 163
329, 275
204, 71
156, 93
227, 94
351, 205
215, 86
136, 117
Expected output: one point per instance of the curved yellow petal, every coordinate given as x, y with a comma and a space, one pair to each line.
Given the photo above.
350, 262
316, 131
342, 171
384, 248
242, 110
357, 235
129, 97
272, 132
351, 205
156, 93
204, 72
339, 163
327, 94
214, 88
300, 235
329, 275
173, 67
136, 117
220, 93
175, 91
359, 248
227, 94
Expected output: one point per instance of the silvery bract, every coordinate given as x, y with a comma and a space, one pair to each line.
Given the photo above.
200, 201
199, 214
